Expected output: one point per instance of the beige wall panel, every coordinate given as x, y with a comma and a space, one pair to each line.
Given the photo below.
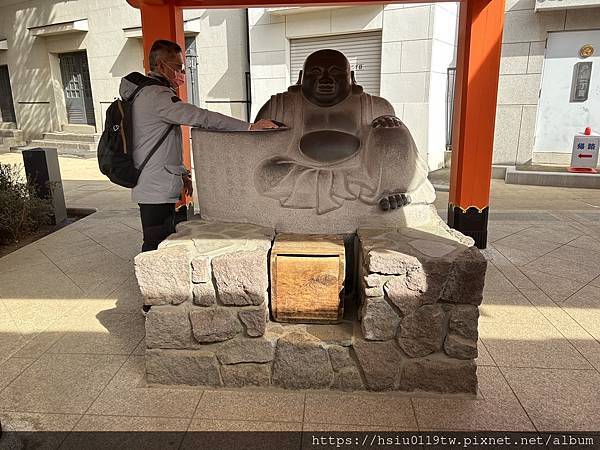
262, 89
416, 56
34, 119
223, 64
406, 24
514, 58
267, 38
391, 57
443, 55
444, 19
58, 106
527, 26
415, 115
519, 89
308, 24
348, 20
220, 59
537, 51
228, 86
436, 121
258, 16
506, 134
581, 19
519, 5
221, 26
269, 65
405, 87
527, 134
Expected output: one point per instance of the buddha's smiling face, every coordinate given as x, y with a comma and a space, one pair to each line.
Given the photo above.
326, 78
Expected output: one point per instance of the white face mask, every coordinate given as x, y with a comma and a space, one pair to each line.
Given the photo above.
177, 78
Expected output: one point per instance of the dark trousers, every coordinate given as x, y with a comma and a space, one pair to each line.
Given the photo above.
158, 222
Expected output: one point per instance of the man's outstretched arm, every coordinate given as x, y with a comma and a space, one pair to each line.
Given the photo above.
172, 110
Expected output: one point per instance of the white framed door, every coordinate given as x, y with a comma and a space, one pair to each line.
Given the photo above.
570, 92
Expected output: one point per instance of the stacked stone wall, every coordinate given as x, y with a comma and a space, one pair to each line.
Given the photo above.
420, 295
209, 324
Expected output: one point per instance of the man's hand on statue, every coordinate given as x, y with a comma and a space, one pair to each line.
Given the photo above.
386, 122
263, 124
188, 187
394, 201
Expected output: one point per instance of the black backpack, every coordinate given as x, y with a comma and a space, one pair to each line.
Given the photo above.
115, 149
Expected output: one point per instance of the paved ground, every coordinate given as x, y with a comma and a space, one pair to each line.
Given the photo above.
72, 337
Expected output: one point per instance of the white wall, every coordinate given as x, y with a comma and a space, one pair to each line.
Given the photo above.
443, 54
269, 56
222, 59
559, 118
523, 49
424, 36
406, 65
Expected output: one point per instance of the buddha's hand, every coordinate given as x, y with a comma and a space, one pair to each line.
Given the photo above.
264, 124
394, 201
386, 122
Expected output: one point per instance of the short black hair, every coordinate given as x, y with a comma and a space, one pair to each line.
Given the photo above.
162, 49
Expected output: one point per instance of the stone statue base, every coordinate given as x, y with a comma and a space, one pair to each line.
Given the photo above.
415, 328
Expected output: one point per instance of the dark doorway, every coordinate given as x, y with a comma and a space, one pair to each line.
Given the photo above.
7, 108
77, 88
191, 68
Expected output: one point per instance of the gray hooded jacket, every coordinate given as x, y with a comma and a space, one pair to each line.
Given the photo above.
155, 109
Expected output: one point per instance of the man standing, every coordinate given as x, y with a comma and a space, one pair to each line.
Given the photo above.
156, 115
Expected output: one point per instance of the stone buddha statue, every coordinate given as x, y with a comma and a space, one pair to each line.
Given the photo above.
345, 145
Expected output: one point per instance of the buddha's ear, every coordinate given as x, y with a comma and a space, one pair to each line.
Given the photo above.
296, 87
356, 88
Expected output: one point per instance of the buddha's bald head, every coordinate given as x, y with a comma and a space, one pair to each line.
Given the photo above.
326, 78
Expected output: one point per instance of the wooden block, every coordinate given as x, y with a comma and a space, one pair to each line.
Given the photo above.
307, 278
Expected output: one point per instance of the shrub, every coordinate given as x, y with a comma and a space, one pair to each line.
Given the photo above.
22, 211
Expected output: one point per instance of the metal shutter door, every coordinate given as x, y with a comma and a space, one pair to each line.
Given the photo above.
363, 50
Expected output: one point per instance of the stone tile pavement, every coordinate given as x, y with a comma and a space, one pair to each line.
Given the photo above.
71, 335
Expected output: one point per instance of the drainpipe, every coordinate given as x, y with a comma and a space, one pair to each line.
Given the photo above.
248, 76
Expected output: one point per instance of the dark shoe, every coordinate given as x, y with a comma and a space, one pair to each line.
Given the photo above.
146, 309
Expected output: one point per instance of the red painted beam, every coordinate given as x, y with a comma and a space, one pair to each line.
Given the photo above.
137, 3
224, 4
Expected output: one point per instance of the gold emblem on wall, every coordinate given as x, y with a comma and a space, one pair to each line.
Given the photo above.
586, 51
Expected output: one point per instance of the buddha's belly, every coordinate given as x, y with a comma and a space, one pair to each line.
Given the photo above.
329, 146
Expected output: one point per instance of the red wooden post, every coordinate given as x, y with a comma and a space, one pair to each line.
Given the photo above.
165, 21
478, 65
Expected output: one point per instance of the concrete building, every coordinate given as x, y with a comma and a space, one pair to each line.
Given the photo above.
60, 65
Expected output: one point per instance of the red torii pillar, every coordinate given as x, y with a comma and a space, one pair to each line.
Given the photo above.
478, 65
164, 20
